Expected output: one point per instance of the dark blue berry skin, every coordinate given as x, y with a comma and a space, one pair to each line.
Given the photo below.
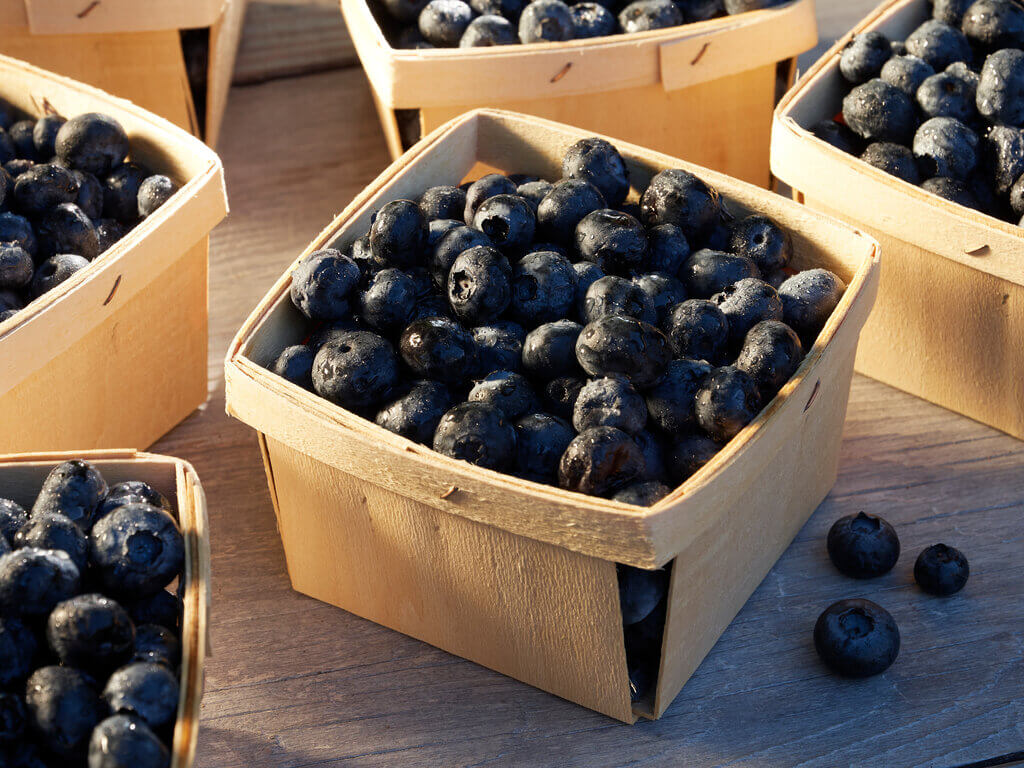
488, 30
17, 229
12, 517
950, 11
678, 197
746, 303
856, 638
762, 241
644, 15
398, 235
63, 709
132, 492
155, 644
770, 356
708, 272
546, 21
599, 162
13, 719
808, 299
645, 494
322, 284
66, 229
592, 20
295, 364
55, 271
154, 192
864, 56
388, 302
839, 136
549, 351
51, 530
609, 402
406, 11
616, 344
42, 187
484, 188
163, 608
560, 395
90, 195
21, 135
356, 370
543, 289
863, 546
92, 143
612, 295
508, 220
443, 22
6, 186
600, 462
443, 202
895, 159
534, 191
137, 550
613, 240
687, 454
510, 9
148, 691
726, 402
416, 414
700, 10
122, 740
877, 111
440, 349
955, 191
939, 44
91, 632
906, 73
16, 266
671, 401
121, 193
74, 488
564, 207
17, 651
480, 285
448, 249
437, 229
943, 146
640, 591
44, 135
993, 25
667, 249
653, 451
478, 433
643, 653
946, 95
587, 273
941, 570
541, 439
499, 348
1000, 96
508, 391
1003, 152
664, 292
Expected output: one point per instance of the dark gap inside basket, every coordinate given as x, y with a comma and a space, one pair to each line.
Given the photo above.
195, 47
644, 642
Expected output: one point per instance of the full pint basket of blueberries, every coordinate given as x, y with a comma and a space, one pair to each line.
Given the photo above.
587, 363
102, 612
913, 128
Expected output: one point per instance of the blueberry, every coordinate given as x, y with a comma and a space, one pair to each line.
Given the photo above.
90, 195
609, 402
667, 249
746, 303
499, 347
560, 395
732, 7
406, 11
645, 15
478, 433
708, 272
950, 11
1003, 150
508, 220
44, 135
10, 303
55, 271
613, 240
939, 44
63, 709
7, 185
541, 439
770, 356
13, 719
894, 159
487, 31
508, 391
545, 21
448, 249
600, 462
163, 608
598, 162
688, 453
877, 111
132, 492
16, 266
994, 24
17, 651
8, 114
153, 193
155, 644
864, 56
645, 494
543, 288
91, 632
643, 642
617, 344
1000, 97
443, 202
856, 638
137, 550
863, 546
21, 135
66, 229
808, 299
416, 414
653, 452
322, 284
93, 143
398, 235
762, 241
443, 22
678, 197
8, 152
437, 229
726, 402
565, 206
295, 364
941, 570
664, 293
74, 488
534, 191
944, 146
954, 190
671, 401
148, 691
906, 73
42, 187
12, 517
945, 95
700, 10
356, 370
438, 348
52, 530
122, 740
121, 192
109, 232
592, 20
549, 351
387, 303
483, 189
613, 295
510, 9
640, 591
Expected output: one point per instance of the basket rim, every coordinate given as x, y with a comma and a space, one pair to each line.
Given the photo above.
47, 17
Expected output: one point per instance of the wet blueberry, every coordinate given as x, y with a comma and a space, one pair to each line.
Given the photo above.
42, 187
617, 344
697, 329
726, 402
534, 191
939, 44
121, 192
546, 21
443, 22
17, 650
398, 235
664, 292
489, 30
863, 546
609, 402
132, 492
856, 638
63, 709
508, 220
592, 20
155, 644
955, 191
612, 295
74, 488
543, 288
770, 356
17, 230
808, 299
443, 202
508, 391
894, 159
478, 433
12, 517
52, 530
92, 143
671, 401
44, 135
653, 452
122, 741
91, 632
356, 370
678, 197
600, 462
137, 550
148, 691
16, 266
746, 303
55, 271
438, 229
599, 162
640, 591
560, 394
709, 272
541, 439
864, 56
943, 146
549, 351
440, 349
644, 15
667, 249
946, 95
66, 229
613, 240
387, 303
950, 11
994, 24
416, 414
565, 206
1000, 97
941, 570
1003, 150
645, 494
153, 193
295, 364
762, 241
322, 284
483, 189
838, 135
687, 454
163, 608
906, 73
877, 111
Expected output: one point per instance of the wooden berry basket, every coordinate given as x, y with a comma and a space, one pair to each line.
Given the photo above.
950, 312
701, 91
132, 48
517, 576
22, 475
116, 355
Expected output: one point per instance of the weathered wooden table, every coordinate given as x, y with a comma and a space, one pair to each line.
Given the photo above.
297, 683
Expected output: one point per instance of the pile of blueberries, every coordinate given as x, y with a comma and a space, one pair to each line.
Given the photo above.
943, 109
857, 637
67, 193
90, 636
475, 23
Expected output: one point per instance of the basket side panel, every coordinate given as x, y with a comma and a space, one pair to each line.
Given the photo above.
539, 613
136, 374
225, 36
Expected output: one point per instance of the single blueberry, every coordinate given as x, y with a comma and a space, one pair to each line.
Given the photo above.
863, 546
295, 364
416, 414
678, 197
943, 146
592, 20
440, 349
449, 247
63, 709
613, 240
950, 11
322, 284
645, 15
12, 517
762, 241
44, 135
16, 266
148, 691
443, 22
544, 21
671, 401
906, 73
483, 189
617, 344
708, 272
609, 402
664, 292
877, 111
1000, 97
549, 351
478, 433
42, 187
598, 162
443, 202
488, 30
387, 303
21, 135
19, 231
75, 489
155, 644
667, 249
746, 303
90, 196
534, 191
955, 191
565, 206
895, 159
405, 11
93, 143
864, 56
65, 229
688, 453
123, 740
697, 329
726, 402
153, 193
543, 289
121, 192
994, 24
541, 439
356, 369
1003, 152
52, 530
856, 638
640, 591
770, 356
508, 391
808, 299
946, 95
137, 550
939, 44
941, 570
398, 235
91, 632
612, 295
645, 494
600, 462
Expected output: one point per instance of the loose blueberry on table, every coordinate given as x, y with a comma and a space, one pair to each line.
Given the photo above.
90, 635
68, 192
943, 109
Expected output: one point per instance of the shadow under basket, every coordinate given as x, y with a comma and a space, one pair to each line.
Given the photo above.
21, 477
950, 312
116, 354
517, 576
702, 91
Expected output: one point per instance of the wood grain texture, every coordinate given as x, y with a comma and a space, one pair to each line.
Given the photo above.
294, 682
